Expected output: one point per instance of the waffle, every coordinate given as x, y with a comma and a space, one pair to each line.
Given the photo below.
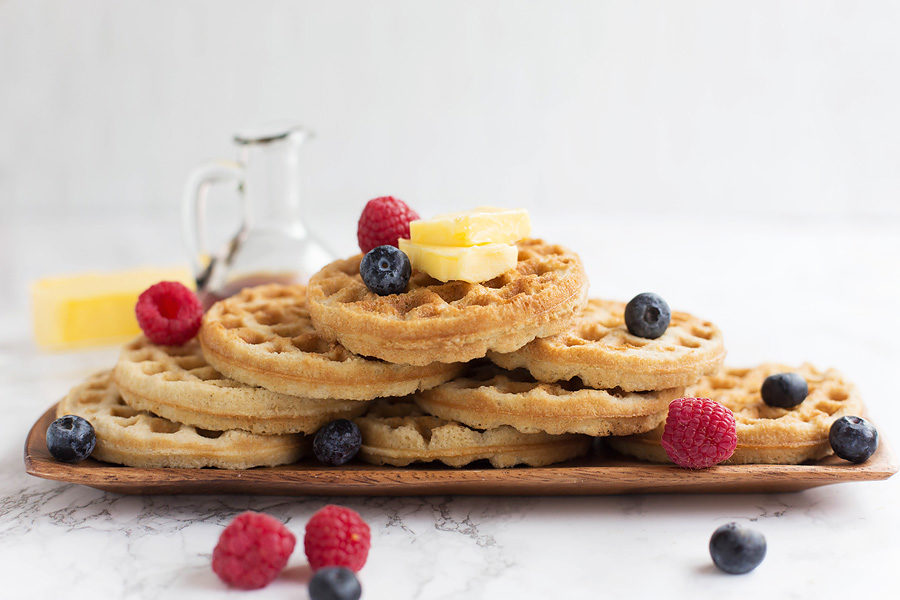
599, 350
454, 321
766, 434
176, 382
487, 396
139, 439
397, 432
263, 336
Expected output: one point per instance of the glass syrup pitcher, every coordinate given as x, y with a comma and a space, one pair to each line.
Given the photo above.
272, 243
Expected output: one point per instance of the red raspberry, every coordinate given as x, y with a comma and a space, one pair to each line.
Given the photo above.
337, 537
699, 433
382, 222
169, 313
252, 551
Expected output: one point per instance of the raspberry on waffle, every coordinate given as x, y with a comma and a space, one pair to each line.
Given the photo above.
454, 321
765, 434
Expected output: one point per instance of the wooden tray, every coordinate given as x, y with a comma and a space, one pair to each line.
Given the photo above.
604, 472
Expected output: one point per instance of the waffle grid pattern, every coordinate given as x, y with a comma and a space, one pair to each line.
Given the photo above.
453, 321
601, 352
264, 336
140, 439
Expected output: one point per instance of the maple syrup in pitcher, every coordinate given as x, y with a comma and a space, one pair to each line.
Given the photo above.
272, 244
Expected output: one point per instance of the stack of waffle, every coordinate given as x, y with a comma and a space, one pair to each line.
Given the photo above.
521, 369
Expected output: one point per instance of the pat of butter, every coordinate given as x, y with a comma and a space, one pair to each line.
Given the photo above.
484, 225
473, 264
93, 309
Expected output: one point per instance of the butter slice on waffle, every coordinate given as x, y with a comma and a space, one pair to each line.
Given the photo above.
603, 354
397, 432
454, 321
177, 383
263, 336
486, 396
139, 439
765, 434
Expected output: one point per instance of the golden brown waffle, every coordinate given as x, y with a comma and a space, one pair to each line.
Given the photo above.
455, 321
765, 434
487, 396
263, 336
397, 432
139, 439
177, 383
599, 350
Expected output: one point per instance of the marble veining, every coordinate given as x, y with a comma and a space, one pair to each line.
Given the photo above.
829, 542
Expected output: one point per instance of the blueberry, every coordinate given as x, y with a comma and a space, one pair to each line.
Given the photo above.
736, 549
337, 442
784, 390
334, 583
853, 439
647, 316
385, 270
71, 439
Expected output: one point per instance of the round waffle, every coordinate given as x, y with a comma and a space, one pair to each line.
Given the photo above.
765, 434
486, 396
397, 432
139, 439
599, 350
263, 336
177, 383
454, 321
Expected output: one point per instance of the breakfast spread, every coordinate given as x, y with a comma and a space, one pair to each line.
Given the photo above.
455, 339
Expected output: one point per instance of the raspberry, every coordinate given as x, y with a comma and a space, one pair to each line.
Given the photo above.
252, 551
337, 537
383, 221
699, 433
168, 313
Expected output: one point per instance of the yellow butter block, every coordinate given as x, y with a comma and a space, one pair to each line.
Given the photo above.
484, 225
474, 264
93, 309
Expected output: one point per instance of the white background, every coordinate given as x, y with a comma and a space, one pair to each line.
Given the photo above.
739, 158
680, 107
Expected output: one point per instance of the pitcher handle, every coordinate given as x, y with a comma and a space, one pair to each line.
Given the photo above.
203, 262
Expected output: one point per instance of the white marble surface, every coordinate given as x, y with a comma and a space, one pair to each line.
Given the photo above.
793, 290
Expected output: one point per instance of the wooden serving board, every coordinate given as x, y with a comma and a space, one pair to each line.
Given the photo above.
604, 472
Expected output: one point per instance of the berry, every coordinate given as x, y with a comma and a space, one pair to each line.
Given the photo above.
699, 433
647, 316
334, 583
382, 222
784, 390
169, 314
737, 550
385, 270
337, 537
252, 551
71, 439
337, 442
853, 439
